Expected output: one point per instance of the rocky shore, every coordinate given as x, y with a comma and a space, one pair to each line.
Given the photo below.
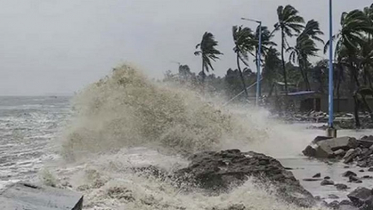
220, 172
351, 152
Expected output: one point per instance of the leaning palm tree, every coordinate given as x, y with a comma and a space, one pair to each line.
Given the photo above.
267, 42
288, 22
208, 52
306, 47
350, 39
243, 43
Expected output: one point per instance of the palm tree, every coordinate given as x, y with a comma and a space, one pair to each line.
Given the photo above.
288, 22
267, 42
350, 40
271, 65
243, 43
208, 52
306, 47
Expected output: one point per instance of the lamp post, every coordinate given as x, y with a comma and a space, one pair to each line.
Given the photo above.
331, 132
258, 59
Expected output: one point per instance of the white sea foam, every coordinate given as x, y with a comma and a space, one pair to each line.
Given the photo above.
125, 121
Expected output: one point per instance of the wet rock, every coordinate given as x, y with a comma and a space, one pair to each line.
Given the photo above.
321, 138
362, 163
340, 152
318, 175
217, 172
333, 205
332, 196
360, 196
311, 179
349, 157
326, 182
327, 177
365, 142
341, 186
326, 148
346, 202
354, 179
348, 174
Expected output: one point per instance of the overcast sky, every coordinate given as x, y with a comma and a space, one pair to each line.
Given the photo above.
59, 46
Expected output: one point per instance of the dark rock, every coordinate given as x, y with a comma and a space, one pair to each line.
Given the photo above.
318, 175
366, 143
326, 182
311, 180
350, 155
217, 172
348, 174
332, 196
340, 153
362, 163
360, 196
346, 167
361, 170
321, 138
327, 177
326, 148
370, 169
341, 186
333, 205
346, 202
367, 177
354, 179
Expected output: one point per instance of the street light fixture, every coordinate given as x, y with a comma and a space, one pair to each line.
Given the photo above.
258, 59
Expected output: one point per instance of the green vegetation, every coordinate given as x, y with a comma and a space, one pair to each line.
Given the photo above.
306, 67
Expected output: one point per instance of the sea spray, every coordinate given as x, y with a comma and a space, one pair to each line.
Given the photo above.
126, 121
126, 109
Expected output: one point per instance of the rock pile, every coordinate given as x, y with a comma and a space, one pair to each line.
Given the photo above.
347, 149
219, 171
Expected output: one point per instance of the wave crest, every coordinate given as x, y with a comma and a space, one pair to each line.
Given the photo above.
126, 109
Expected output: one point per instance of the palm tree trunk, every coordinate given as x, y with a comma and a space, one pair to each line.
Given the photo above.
203, 72
357, 104
367, 107
338, 92
241, 75
283, 62
308, 85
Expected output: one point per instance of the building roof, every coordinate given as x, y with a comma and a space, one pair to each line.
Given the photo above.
301, 93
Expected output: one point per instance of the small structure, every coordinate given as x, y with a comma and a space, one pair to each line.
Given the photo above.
22, 196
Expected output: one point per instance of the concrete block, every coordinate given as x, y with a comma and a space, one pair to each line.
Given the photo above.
22, 196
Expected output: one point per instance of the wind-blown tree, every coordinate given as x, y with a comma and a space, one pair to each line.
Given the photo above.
349, 41
208, 52
289, 22
272, 64
267, 42
306, 47
243, 43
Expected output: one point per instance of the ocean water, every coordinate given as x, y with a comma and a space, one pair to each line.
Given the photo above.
27, 126
91, 142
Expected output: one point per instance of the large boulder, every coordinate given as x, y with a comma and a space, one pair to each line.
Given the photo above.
361, 197
219, 171
327, 148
